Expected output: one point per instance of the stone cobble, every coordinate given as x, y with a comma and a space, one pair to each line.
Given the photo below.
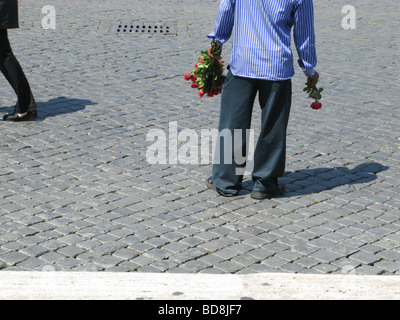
77, 192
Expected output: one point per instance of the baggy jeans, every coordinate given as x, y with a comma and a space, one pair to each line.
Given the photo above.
237, 101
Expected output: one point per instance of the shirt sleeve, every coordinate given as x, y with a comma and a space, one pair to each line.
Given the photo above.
224, 21
304, 36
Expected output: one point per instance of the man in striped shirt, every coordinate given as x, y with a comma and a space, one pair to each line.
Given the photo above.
261, 62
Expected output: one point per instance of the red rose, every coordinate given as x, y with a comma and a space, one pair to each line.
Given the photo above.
316, 105
194, 85
187, 76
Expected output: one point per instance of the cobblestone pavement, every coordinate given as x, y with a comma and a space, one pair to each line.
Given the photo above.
77, 192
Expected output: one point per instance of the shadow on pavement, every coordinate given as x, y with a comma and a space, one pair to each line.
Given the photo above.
61, 106
309, 181
57, 106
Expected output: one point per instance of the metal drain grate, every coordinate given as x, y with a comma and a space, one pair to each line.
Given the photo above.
139, 28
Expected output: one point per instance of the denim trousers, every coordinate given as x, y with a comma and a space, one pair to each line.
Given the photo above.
237, 102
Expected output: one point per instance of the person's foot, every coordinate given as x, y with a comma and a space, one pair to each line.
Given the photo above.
211, 186
274, 190
259, 195
27, 116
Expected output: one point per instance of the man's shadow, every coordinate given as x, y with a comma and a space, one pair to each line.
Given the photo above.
57, 106
309, 181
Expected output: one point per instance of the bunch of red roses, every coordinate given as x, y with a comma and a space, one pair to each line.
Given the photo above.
314, 93
208, 76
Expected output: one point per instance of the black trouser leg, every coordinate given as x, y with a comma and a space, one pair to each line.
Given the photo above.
238, 95
270, 153
14, 74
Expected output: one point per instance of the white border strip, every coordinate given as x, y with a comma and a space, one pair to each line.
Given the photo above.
17, 285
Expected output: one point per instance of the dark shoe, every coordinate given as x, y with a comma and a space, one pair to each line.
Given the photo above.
260, 195
210, 185
31, 115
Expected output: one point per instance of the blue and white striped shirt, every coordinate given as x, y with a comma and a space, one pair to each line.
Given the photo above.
262, 36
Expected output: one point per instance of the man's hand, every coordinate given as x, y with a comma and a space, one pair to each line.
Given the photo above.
212, 57
314, 79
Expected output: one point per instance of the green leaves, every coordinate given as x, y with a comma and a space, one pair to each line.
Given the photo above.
313, 91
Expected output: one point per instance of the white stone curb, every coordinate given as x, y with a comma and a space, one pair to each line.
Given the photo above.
15, 285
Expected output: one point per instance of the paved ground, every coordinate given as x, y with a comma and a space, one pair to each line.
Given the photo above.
77, 192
